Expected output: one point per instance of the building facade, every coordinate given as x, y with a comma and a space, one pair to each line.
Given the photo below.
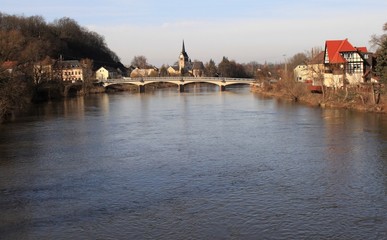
344, 63
146, 72
104, 73
198, 69
68, 70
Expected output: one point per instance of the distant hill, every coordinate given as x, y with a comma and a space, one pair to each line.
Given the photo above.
62, 38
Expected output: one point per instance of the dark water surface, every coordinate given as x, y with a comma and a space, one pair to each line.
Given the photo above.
196, 165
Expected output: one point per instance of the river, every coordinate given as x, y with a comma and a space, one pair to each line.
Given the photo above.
203, 164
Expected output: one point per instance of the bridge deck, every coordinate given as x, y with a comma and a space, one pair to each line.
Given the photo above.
179, 80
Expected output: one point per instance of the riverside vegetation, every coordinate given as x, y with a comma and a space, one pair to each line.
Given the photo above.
360, 98
24, 41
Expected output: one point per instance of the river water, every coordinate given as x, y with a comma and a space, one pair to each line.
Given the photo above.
197, 165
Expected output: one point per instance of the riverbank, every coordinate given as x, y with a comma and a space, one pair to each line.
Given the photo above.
56, 91
340, 99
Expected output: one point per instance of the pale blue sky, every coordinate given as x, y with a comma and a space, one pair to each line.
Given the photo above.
242, 30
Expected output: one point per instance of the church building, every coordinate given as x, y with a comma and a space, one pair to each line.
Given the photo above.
184, 61
186, 67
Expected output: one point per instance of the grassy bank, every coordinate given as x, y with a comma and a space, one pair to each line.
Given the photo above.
353, 98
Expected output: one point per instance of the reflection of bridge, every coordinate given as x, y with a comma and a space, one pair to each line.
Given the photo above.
179, 81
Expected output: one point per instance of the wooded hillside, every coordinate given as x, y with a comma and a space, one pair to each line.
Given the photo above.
28, 39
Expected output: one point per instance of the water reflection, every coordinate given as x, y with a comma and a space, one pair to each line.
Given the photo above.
201, 164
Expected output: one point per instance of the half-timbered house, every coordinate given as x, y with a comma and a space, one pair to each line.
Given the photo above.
344, 63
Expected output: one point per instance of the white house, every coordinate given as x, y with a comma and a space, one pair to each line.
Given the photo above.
173, 70
301, 73
104, 73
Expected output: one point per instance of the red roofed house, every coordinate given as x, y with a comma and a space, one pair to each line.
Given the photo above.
8, 66
344, 63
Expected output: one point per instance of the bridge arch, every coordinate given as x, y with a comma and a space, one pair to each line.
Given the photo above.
72, 90
179, 81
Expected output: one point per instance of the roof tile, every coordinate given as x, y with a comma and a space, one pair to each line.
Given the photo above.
335, 47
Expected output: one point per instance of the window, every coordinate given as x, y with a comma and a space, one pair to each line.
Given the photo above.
354, 68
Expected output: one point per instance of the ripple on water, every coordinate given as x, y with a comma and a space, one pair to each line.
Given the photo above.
193, 166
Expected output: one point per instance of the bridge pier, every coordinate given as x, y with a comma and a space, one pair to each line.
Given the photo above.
222, 88
142, 88
181, 88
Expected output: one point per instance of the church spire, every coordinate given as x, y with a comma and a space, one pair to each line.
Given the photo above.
183, 49
183, 59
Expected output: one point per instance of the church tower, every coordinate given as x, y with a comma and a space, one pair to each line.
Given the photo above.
183, 60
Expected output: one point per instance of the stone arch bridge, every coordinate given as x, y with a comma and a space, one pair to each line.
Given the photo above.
179, 81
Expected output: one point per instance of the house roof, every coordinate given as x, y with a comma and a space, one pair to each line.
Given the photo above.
198, 65
176, 68
362, 49
335, 47
68, 64
318, 59
8, 64
109, 69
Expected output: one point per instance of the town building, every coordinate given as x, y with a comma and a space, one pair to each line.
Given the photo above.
198, 69
8, 66
59, 70
173, 70
186, 66
301, 73
145, 72
104, 73
344, 63
68, 70
340, 64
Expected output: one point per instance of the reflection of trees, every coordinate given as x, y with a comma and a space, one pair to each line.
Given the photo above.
355, 144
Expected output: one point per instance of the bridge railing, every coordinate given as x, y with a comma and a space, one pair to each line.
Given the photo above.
161, 79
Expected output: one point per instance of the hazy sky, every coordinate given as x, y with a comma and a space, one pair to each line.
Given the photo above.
242, 30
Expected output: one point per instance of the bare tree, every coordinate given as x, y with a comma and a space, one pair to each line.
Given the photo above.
87, 69
313, 52
251, 69
163, 71
297, 59
42, 71
12, 87
140, 62
210, 69
11, 44
377, 41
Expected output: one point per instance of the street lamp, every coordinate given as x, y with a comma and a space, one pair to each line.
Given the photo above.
286, 63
